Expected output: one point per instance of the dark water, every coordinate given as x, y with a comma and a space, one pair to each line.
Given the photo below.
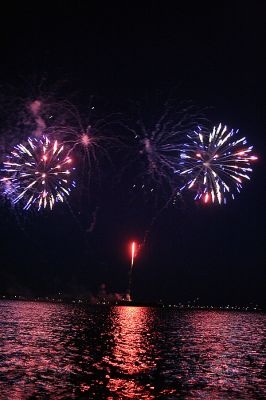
51, 351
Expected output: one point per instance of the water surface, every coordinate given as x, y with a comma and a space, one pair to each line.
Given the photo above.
56, 351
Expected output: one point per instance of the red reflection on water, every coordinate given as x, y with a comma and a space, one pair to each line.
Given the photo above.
132, 354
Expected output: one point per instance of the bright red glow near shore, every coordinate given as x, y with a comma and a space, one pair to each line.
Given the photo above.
133, 252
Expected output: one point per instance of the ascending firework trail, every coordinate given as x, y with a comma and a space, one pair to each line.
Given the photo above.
133, 255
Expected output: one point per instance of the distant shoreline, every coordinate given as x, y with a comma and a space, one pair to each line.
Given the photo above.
180, 307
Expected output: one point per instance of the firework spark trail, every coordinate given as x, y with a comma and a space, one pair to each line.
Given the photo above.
215, 164
93, 221
154, 147
37, 173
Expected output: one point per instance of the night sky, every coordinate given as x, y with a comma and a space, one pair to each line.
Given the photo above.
211, 54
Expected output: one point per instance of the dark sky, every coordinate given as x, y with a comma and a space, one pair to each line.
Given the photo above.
213, 55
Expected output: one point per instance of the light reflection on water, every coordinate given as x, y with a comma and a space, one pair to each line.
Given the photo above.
56, 351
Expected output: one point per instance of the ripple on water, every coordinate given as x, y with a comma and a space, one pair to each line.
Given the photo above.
70, 352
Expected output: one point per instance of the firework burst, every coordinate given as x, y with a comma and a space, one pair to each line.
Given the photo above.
37, 173
88, 143
215, 164
86, 137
